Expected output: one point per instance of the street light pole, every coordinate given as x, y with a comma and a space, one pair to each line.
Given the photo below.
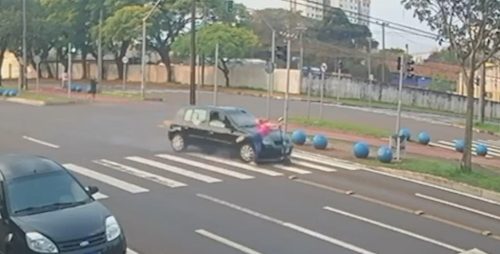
24, 83
70, 67
384, 58
288, 66
143, 53
99, 51
192, 83
216, 70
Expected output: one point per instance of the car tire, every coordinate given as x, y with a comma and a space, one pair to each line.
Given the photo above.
178, 143
247, 153
286, 161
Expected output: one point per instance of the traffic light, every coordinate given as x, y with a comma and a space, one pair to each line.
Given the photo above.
410, 69
399, 63
281, 53
229, 6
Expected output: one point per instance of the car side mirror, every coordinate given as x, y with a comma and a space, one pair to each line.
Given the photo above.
92, 190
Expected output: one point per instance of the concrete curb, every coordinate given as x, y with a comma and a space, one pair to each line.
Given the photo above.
37, 103
425, 178
442, 182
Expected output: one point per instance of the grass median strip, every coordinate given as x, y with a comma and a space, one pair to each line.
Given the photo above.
495, 128
47, 98
347, 127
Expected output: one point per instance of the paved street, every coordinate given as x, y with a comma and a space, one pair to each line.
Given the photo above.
191, 203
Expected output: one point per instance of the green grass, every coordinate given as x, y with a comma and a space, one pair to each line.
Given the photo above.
48, 98
347, 127
122, 94
495, 128
480, 177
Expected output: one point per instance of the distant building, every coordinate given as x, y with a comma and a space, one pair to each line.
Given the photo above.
357, 11
10, 67
492, 83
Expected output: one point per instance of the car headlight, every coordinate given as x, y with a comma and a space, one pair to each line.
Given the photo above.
39, 243
113, 230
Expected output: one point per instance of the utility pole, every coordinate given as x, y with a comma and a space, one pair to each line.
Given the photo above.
70, 67
482, 94
301, 61
400, 95
24, 83
384, 55
99, 51
143, 52
216, 70
370, 71
192, 83
288, 66
273, 59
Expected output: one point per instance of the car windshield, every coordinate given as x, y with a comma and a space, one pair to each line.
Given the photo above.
44, 192
243, 119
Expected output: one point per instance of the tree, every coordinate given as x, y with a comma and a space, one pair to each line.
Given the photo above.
121, 29
472, 30
444, 56
9, 28
234, 42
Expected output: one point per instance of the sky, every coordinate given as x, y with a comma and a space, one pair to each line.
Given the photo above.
389, 10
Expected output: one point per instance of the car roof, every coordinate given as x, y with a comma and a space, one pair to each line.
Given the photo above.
219, 108
19, 165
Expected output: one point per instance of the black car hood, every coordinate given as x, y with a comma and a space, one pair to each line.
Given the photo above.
273, 134
66, 224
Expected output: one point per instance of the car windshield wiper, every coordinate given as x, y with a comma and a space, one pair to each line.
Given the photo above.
51, 206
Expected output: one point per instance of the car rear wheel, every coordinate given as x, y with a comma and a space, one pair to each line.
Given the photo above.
178, 143
247, 153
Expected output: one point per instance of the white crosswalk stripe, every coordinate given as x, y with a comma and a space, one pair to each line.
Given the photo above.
313, 166
132, 188
99, 196
451, 146
491, 149
326, 162
293, 169
141, 174
239, 165
205, 166
130, 251
175, 170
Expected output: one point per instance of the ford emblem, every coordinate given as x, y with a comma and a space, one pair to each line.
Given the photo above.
84, 243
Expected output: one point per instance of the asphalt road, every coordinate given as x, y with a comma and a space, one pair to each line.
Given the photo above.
186, 204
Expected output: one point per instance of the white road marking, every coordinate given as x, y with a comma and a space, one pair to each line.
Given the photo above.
227, 242
38, 141
451, 146
292, 169
292, 226
326, 162
139, 173
442, 146
238, 165
314, 166
175, 170
395, 229
448, 203
130, 251
491, 150
205, 166
432, 186
99, 196
132, 188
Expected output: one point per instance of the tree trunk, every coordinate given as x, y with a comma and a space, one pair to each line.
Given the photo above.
202, 70
482, 96
118, 58
164, 53
2, 52
85, 72
466, 163
225, 70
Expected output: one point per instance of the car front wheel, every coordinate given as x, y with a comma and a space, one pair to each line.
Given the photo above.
178, 143
247, 153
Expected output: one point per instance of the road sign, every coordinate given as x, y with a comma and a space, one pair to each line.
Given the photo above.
324, 67
269, 67
37, 59
125, 60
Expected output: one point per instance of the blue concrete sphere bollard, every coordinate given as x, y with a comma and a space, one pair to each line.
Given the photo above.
6, 92
459, 145
299, 137
361, 150
385, 154
320, 142
424, 138
12, 93
481, 150
405, 133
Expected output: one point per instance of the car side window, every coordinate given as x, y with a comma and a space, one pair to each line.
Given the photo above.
216, 120
199, 116
188, 115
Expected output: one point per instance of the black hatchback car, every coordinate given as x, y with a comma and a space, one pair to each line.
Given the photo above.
44, 209
232, 128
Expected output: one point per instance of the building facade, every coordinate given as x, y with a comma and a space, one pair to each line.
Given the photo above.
357, 11
492, 85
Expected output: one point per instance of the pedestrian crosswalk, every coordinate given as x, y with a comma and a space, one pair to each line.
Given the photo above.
181, 170
492, 145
